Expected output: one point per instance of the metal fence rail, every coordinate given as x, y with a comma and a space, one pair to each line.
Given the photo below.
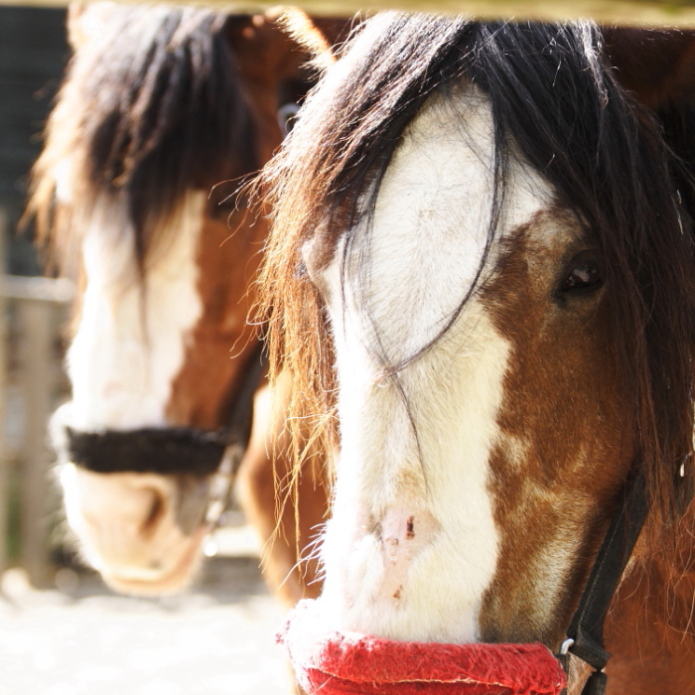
629, 12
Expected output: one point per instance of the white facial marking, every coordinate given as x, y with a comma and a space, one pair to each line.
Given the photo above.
128, 348
130, 343
405, 275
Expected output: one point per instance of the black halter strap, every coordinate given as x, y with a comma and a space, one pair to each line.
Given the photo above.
171, 450
147, 450
585, 633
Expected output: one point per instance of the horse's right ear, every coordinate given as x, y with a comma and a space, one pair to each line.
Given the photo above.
76, 33
87, 20
318, 36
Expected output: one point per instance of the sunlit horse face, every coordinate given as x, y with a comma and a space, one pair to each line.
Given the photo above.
485, 397
508, 422
161, 337
142, 356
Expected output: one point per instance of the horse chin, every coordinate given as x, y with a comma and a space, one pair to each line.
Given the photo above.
174, 578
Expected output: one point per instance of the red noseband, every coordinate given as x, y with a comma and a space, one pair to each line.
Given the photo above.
352, 664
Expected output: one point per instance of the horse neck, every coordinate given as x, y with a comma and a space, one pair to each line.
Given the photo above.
650, 631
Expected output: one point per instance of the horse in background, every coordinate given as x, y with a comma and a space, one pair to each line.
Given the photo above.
158, 106
481, 277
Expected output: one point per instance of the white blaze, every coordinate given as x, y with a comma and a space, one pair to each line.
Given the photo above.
412, 544
128, 348
130, 342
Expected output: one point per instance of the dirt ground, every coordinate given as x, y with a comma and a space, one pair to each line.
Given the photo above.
82, 639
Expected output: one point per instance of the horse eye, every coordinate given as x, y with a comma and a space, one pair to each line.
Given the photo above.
585, 275
287, 115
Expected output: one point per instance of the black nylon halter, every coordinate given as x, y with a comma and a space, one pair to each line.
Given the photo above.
172, 450
585, 633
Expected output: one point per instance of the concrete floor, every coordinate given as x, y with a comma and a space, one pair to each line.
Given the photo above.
82, 639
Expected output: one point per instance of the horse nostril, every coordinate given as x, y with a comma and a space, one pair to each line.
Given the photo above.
156, 512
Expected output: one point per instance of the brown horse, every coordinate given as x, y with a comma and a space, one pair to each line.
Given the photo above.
158, 106
481, 279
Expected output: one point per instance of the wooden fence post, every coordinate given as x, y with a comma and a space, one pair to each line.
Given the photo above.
4, 462
36, 346
36, 300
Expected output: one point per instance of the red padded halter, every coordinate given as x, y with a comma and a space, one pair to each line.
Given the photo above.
353, 664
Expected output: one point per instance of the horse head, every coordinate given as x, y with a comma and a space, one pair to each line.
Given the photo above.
481, 273
159, 106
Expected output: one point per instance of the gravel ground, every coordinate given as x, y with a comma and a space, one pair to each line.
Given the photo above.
83, 639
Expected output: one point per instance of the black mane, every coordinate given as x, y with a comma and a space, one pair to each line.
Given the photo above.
154, 107
552, 91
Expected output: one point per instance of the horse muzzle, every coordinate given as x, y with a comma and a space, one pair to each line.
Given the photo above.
344, 663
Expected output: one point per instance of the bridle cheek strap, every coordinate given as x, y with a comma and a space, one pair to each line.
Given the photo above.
585, 633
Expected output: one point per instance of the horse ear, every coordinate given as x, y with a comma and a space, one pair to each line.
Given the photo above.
87, 20
317, 36
76, 33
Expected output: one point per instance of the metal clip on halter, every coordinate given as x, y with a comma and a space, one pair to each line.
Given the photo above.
221, 485
237, 434
596, 684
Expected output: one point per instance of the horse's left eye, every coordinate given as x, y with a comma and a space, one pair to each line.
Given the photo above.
585, 274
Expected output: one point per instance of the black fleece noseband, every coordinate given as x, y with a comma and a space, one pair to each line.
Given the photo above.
170, 450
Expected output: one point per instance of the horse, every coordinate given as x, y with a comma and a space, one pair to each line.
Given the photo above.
480, 278
159, 105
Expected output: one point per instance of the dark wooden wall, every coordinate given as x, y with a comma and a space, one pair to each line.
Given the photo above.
33, 52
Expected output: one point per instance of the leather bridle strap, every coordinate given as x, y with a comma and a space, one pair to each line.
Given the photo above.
238, 430
237, 435
585, 633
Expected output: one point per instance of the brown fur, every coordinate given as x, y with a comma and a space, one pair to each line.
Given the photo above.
222, 341
655, 64
642, 411
650, 631
217, 355
563, 361
298, 498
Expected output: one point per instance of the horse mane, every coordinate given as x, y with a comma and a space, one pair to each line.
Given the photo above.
552, 91
150, 108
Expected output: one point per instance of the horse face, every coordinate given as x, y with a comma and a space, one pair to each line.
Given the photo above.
141, 356
482, 441
165, 344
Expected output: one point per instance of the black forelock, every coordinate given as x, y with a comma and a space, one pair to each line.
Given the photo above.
164, 111
554, 96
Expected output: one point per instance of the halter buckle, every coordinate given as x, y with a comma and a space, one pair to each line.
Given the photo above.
565, 646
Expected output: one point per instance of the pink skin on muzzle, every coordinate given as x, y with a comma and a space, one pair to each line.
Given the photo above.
333, 663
